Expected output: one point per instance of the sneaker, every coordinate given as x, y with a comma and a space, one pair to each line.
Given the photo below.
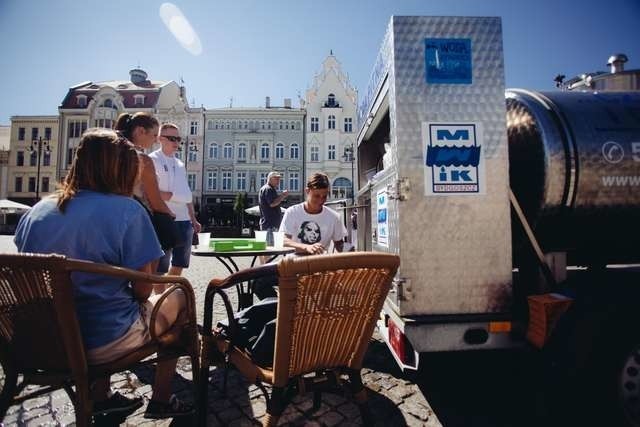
174, 408
117, 403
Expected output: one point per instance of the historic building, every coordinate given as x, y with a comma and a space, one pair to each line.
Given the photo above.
331, 105
98, 104
242, 145
33, 157
5, 136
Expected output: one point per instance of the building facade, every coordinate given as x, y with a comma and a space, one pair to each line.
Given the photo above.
98, 104
242, 145
33, 154
5, 138
331, 105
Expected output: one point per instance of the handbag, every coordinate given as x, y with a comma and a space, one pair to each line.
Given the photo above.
165, 227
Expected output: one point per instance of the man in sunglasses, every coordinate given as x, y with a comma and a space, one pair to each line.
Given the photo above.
175, 191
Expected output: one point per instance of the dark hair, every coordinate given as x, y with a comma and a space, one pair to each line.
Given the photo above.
127, 123
104, 162
317, 181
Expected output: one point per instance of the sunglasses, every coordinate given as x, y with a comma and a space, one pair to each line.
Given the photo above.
172, 138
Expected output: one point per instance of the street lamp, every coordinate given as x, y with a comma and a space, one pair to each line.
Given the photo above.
38, 146
348, 156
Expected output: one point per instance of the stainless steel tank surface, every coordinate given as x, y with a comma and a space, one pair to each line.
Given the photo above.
574, 164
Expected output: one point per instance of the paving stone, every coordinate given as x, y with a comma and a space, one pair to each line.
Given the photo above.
257, 409
44, 420
332, 418
415, 409
38, 402
229, 415
66, 419
333, 399
11, 418
349, 410
402, 391
34, 413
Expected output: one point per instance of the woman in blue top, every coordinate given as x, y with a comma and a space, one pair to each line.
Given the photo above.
93, 217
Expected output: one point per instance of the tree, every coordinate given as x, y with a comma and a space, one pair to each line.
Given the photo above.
239, 206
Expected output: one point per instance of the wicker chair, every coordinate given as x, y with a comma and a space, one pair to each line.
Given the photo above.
40, 336
327, 308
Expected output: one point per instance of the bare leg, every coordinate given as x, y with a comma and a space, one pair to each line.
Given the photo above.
169, 312
175, 271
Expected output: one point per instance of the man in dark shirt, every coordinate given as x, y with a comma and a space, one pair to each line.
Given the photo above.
269, 202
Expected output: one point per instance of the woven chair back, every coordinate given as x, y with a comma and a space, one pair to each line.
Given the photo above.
327, 309
38, 325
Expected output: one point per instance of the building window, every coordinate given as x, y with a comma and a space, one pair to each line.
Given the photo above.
178, 154
70, 153
294, 181
315, 124
193, 128
213, 150
227, 151
81, 101
210, 124
32, 184
20, 158
77, 128
241, 181
286, 125
108, 103
269, 125
348, 124
227, 124
47, 134
191, 181
341, 188
33, 159
280, 125
331, 123
46, 158
331, 152
193, 156
18, 184
331, 100
20, 134
263, 178
212, 180
103, 123
242, 152
138, 100
34, 134
264, 152
294, 151
226, 181
315, 154
45, 184
279, 150
246, 124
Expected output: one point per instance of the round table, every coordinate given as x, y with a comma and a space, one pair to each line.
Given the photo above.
245, 295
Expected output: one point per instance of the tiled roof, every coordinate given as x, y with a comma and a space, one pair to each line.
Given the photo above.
126, 89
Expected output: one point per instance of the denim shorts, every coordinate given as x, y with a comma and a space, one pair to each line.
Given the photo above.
178, 256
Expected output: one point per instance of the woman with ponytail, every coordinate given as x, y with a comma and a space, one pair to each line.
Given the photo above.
142, 130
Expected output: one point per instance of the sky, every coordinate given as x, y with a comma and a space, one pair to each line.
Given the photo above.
243, 50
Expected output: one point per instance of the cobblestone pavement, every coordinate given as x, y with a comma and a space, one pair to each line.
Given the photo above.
394, 401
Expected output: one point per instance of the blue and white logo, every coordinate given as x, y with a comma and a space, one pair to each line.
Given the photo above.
453, 159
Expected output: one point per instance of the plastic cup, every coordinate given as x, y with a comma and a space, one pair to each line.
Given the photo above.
278, 239
203, 241
261, 236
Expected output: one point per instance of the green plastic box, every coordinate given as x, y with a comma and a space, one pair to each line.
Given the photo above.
229, 245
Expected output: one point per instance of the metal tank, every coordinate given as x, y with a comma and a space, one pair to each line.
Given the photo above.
575, 169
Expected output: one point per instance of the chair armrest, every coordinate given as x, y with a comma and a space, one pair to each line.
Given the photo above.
177, 282
217, 286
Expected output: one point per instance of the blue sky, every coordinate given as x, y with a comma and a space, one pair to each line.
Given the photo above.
257, 48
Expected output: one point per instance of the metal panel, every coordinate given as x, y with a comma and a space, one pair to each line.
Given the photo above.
455, 249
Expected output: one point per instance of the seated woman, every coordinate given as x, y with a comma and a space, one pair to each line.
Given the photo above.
93, 217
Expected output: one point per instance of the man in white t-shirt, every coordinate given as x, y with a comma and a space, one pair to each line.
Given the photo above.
309, 227
175, 191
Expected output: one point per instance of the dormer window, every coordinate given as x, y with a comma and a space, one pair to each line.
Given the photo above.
108, 103
81, 101
138, 100
331, 101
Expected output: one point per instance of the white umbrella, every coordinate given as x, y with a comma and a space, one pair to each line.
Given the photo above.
9, 206
255, 210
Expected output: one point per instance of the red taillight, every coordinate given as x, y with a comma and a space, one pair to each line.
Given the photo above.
397, 341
